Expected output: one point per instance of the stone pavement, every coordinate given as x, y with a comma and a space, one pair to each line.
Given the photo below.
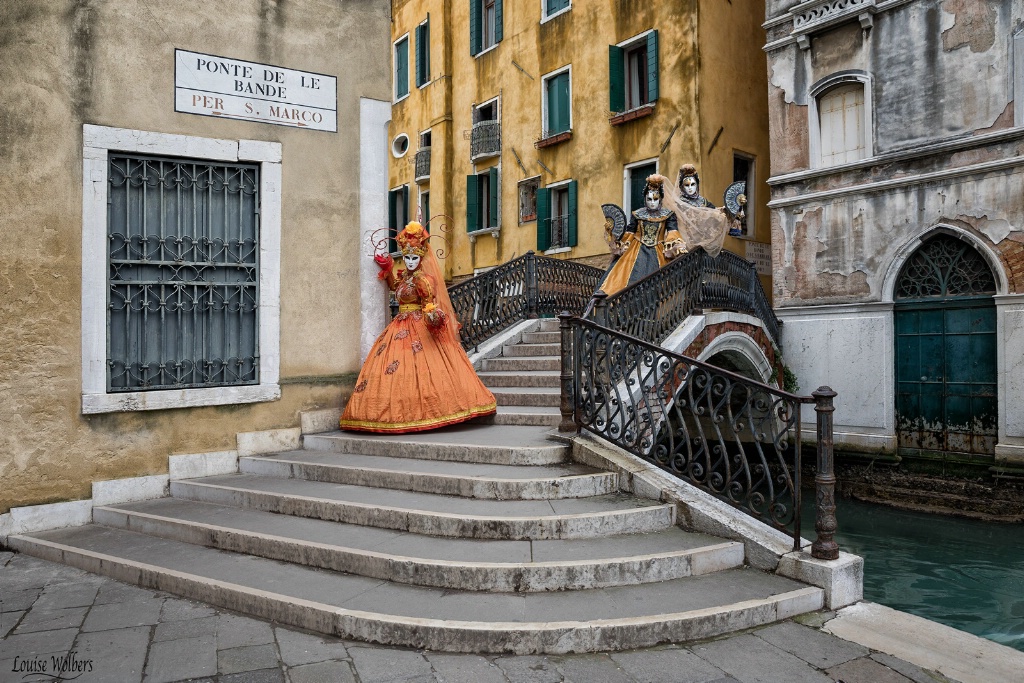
97, 629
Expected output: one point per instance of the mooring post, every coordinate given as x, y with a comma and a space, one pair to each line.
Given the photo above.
565, 378
825, 546
532, 295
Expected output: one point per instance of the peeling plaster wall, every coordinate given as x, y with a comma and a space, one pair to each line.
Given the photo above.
65, 63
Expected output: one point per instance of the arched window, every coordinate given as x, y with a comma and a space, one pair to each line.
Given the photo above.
944, 267
841, 117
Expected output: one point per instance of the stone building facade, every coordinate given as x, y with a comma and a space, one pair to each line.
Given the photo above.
897, 217
181, 256
497, 103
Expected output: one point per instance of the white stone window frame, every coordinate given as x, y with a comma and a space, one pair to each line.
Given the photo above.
98, 143
544, 100
626, 178
395, 99
545, 17
814, 117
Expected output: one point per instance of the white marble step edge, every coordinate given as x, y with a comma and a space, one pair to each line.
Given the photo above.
504, 577
438, 634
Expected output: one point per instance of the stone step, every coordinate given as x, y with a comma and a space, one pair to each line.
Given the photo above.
530, 350
548, 325
530, 364
474, 441
537, 416
431, 514
527, 396
471, 480
538, 378
455, 563
542, 337
369, 609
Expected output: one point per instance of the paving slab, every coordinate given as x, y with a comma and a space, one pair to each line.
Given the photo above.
186, 628
52, 619
42, 643
591, 668
811, 645
8, 620
65, 595
176, 660
323, 672
235, 630
247, 658
175, 609
262, 676
670, 665
120, 592
15, 601
302, 648
749, 659
464, 669
529, 669
911, 671
376, 665
116, 615
865, 670
117, 655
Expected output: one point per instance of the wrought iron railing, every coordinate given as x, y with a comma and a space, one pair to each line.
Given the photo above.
530, 286
559, 231
485, 140
422, 164
733, 437
655, 306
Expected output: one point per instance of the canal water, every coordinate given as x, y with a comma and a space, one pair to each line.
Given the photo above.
961, 572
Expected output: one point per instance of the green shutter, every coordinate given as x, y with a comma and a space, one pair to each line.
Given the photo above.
495, 189
419, 56
472, 203
572, 213
402, 69
426, 50
499, 31
392, 221
474, 27
425, 210
565, 102
405, 207
616, 80
543, 219
652, 66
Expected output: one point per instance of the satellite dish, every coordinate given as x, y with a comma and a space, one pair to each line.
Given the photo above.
614, 221
736, 199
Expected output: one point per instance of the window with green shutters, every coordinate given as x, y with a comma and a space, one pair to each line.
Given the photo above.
486, 19
557, 217
552, 7
633, 73
557, 104
402, 68
398, 214
423, 53
482, 203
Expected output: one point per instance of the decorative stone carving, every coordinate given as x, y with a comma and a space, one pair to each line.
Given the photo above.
814, 15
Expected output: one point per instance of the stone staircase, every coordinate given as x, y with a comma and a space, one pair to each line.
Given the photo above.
524, 379
483, 537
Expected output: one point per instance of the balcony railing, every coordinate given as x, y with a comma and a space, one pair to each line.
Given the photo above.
486, 139
422, 164
559, 232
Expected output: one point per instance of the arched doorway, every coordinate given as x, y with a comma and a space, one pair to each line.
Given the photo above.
945, 320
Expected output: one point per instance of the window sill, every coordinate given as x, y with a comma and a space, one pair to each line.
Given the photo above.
135, 401
632, 114
403, 97
558, 250
473, 234
554, 15
553, 140
485, 155
483, 52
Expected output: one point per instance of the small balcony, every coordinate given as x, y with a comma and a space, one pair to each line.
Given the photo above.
422, 165
486, 140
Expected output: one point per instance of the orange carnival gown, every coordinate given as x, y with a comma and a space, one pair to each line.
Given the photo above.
415, 377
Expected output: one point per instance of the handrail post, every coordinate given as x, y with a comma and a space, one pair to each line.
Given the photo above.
825, 546
532, 297
601, 309
567, 405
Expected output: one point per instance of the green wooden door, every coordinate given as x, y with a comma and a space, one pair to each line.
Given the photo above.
946, 376
945, 324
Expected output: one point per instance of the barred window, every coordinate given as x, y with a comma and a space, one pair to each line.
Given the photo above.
183, 273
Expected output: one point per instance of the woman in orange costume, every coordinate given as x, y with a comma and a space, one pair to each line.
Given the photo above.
417, 376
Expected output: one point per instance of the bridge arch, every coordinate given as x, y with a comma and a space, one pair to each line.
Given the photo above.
738, 352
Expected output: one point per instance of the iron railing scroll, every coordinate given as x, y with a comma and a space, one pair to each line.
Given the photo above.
485, 140
731, 436
422, 164
654, 307
530, 286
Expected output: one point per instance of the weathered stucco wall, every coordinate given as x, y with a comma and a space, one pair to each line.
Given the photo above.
67, 63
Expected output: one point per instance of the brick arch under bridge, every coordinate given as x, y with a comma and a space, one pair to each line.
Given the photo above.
731, 341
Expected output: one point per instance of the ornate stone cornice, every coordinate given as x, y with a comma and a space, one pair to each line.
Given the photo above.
814, 15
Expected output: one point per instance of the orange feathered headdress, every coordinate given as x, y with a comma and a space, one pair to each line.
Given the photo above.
414, 239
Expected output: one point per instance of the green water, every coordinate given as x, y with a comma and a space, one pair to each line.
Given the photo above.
960, 572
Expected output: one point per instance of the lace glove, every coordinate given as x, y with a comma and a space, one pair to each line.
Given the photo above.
385, 264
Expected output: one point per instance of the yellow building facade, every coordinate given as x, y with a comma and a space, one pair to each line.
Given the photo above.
513, 122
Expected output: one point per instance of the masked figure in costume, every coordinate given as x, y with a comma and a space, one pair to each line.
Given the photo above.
688, 184
651, 240
417, 376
